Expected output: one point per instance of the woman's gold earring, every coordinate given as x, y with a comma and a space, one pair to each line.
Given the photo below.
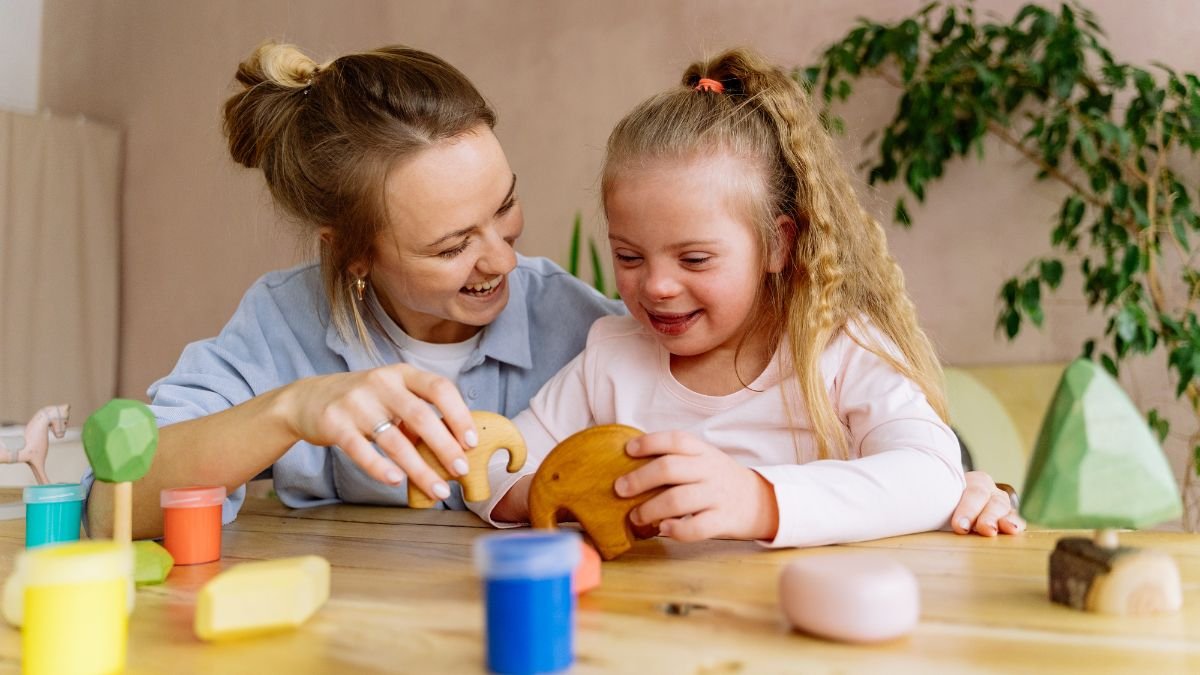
359, 287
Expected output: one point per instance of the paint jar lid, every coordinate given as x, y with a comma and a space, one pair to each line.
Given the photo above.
53, 493
191, 497
536, 554
76, 562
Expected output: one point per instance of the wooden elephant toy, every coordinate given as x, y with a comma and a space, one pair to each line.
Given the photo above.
577, 478
496, 432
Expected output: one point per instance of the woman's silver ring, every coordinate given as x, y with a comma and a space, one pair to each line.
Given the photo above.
383, 426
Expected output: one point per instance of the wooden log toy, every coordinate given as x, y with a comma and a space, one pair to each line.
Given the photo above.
35, 444
496, 432
850, 597
261, 597
577, 478
119, 440
1098, 465
1102, 577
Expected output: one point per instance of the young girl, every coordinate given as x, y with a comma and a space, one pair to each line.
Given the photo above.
771, 352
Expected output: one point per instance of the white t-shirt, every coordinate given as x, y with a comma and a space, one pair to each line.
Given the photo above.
446, 360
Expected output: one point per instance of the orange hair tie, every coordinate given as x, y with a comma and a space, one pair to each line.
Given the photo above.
705, 84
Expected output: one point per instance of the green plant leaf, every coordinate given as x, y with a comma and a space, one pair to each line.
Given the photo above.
1089, 347
901, 214
1126, 325
1160, 425
1052, 272
573, 252
1012, 324
597, 268
1109, 365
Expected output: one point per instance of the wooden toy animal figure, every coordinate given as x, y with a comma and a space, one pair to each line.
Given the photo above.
577, 478
496, 432
51, 419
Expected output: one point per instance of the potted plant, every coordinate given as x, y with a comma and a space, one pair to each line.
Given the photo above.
1117, 137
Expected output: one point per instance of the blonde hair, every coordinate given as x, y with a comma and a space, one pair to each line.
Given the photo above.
326, 136
838, 271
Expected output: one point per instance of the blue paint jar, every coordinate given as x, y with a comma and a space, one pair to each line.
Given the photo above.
529, 605
52, 513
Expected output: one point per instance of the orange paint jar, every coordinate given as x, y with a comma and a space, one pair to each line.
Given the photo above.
192, 523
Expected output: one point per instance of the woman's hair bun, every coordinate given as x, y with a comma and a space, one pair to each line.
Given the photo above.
270, 80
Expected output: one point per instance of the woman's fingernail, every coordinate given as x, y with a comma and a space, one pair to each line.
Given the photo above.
964, 524
461, 467
441, 490
394, 476
632, 446
620, 486
472, 439
664, 529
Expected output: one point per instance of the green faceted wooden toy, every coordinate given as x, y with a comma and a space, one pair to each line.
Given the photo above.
120, 439
1098, 465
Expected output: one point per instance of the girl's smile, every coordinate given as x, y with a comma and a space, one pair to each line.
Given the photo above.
673, 324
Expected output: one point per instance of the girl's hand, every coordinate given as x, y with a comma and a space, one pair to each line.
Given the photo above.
711, 495
513, 507
985, 508
349, 410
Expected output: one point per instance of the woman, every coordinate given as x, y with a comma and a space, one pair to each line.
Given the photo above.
327, 372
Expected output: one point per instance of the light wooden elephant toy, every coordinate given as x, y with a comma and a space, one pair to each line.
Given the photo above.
496, 432
577, 478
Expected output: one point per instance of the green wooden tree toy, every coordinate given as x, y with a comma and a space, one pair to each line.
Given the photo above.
120, 439
1097, 465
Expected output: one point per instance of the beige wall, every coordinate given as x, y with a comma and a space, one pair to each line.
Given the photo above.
198, 230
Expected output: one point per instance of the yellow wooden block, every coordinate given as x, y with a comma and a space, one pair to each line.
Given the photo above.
261, 597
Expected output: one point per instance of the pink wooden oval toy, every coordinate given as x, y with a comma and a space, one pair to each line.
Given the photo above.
851, 597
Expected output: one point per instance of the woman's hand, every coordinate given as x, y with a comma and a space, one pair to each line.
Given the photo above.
710, 494
387, 406
985, 508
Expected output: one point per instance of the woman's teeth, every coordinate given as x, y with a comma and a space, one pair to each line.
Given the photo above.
485, 286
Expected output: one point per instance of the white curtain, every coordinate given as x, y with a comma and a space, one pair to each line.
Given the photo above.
59, 223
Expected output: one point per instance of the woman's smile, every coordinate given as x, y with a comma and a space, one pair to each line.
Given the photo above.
484, 289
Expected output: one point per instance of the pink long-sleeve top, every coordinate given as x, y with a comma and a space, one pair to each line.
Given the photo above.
904, 474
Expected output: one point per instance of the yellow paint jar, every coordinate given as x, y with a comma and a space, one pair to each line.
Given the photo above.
76, 607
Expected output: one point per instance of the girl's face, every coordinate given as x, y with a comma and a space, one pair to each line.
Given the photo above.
687, 260
440, 268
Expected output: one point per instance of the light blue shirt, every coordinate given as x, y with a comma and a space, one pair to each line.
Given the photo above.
282, 332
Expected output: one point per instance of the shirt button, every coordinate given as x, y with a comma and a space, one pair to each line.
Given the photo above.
472, 393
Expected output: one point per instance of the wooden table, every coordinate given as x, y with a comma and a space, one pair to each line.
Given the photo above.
405, 598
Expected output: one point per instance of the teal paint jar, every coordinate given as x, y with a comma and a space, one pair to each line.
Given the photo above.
53, 513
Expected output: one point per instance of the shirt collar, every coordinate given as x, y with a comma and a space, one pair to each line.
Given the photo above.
507, 338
